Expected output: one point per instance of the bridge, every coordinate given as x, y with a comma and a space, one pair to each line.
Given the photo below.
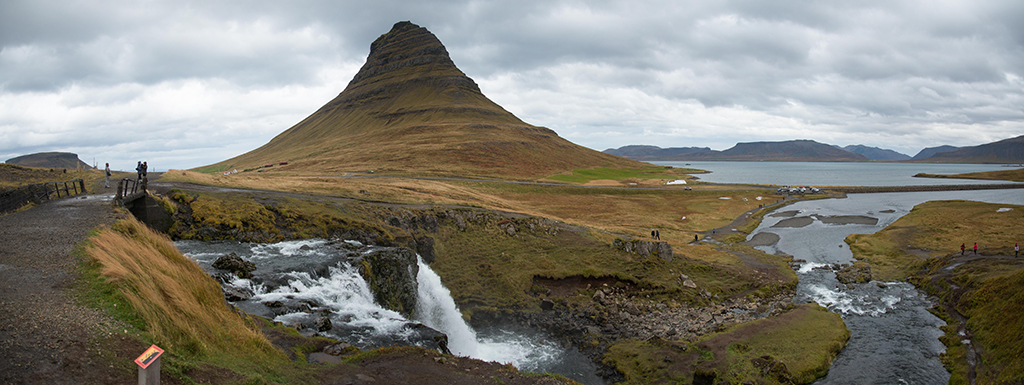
132, 194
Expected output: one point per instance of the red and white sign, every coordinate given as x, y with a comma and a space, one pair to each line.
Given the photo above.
149, 356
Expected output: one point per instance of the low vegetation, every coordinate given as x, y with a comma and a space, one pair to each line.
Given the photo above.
986, 290
624, 176
797, 346
1010, 174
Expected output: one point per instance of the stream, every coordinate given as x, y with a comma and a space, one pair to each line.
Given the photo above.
894, 339
299, 282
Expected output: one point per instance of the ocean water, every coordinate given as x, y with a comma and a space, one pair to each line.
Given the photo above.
834, 173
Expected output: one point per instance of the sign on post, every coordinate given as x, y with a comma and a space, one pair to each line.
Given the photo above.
149, 366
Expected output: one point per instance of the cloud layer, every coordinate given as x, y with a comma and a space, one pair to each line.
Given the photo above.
184, 84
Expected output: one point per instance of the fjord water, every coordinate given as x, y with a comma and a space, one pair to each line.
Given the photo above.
834, 173
894, 339
346, 298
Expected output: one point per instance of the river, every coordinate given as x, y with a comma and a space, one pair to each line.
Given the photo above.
894, 339
296, 282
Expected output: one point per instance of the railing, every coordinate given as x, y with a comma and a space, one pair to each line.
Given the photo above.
130, 189
13, 199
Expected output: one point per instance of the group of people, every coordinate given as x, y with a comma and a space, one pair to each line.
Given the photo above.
963, 249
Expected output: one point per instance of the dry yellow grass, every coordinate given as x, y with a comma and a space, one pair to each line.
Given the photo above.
182, 307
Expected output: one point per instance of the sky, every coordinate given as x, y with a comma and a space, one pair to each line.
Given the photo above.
183, 84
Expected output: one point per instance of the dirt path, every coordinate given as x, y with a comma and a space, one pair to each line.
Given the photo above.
45, 336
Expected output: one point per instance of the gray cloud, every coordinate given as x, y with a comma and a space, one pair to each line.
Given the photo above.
208, 80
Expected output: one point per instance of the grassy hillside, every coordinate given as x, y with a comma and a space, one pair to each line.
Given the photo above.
411, 111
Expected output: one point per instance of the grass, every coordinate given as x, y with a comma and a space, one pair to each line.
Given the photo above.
938, 228
177, 305
806, 339
1010, 174
584, 175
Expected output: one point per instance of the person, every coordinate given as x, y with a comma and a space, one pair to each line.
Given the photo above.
138, 170
695, 237
963, 246
1016, 249
975, 248
657, 234
107, 183
652, 234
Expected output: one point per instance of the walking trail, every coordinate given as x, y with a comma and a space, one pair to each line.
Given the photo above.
45, 335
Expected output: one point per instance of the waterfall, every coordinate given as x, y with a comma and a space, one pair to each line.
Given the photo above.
436, 308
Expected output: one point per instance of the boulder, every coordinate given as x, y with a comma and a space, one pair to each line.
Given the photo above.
391, 275
322, 324
234, 294
235, 264
547, 304
689, 283
856, 273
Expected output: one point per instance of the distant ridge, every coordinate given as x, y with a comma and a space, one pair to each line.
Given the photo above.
410, 110
931, 151
64, 160
875, 153
792, 151
1004, 151
640, 152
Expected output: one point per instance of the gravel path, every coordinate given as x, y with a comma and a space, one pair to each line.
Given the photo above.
45, 337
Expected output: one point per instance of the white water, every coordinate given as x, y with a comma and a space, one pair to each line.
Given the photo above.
436, 308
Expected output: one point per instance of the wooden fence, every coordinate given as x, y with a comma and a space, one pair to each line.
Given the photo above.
13, 199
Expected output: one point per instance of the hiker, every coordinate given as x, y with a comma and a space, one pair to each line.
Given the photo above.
975, 248
652, 234
138, 170
657, 234
107, 183
695, 237
963, 246
1016, 249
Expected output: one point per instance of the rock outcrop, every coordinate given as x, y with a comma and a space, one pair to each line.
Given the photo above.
644, 248
391, 274
235, 264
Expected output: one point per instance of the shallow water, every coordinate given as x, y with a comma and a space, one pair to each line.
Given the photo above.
894, 340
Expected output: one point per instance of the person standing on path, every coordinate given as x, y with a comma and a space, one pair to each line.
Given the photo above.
107, 182
975, 248
1016, 249
657, 234
138, 170
963, 246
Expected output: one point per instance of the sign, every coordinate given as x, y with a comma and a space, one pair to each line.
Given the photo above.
149, 356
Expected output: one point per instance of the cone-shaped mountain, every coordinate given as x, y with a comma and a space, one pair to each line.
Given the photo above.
410, 110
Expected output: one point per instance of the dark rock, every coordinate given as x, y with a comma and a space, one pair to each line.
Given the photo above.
461, 222
341, 348
323, 324
428, 337
425, 248
772, 368
234, 294
547, 304
665, 251
391, 274
273, 304
856, 273
235, 264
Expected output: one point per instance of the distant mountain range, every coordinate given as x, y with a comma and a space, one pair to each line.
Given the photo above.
50, 160
1004, 151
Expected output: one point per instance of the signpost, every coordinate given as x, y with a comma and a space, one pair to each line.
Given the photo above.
149, 366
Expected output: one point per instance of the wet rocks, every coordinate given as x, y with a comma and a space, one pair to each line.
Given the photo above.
235, 264
856, 273
341, 348
391, 274
234, 294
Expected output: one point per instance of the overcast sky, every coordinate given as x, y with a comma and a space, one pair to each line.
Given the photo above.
185, 84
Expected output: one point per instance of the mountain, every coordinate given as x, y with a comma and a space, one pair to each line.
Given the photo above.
1004, 151
930, 151
875, 153
64, 160
792, 151
640, 152
409, 110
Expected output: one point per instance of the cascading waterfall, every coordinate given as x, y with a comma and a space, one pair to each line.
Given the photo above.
339, 292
